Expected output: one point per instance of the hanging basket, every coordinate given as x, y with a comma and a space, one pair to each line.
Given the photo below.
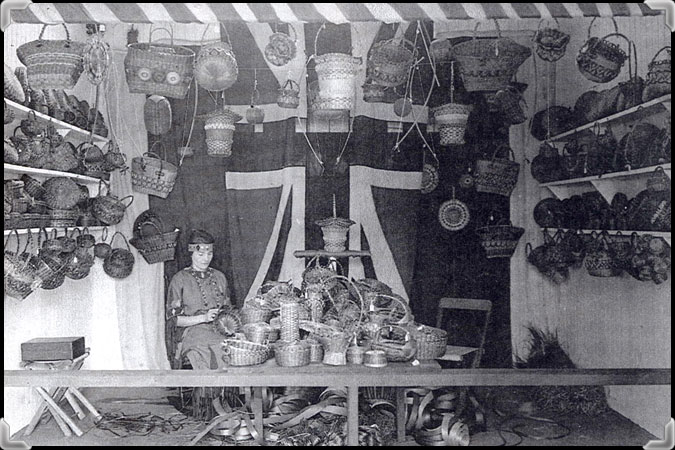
390, 61
453, 214
219, 128
52, 64
289, 95
489, 64
156, 248
451, 120
599, 262
497, 176
658, 78
430, 178
120, 262
600, 60
108, 208
282, 48
159, 69
551, 43
336, 75
157, 115
216, 67
499, 241
153, 175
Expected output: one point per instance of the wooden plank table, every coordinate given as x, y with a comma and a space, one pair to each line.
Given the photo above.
351, 376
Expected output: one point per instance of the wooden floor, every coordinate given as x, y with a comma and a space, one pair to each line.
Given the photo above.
608, 429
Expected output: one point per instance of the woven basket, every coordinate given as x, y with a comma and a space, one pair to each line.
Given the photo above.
496, 176
336, 74
600, 262
157, 115
251, 314
63, 217
489, 64
120, 262
499, 241
316, 351
257, 332
659, 79
61, 193
243, 353
156, 248
334, 231
390, 61
511, 103
108, 208
600, 60
289, 95
451, 119
399, 346
373, 93
431, 342
551, 43
79, 264
292, 354
52, 64
13, 88
219, 128
216, 67
150, 174
20, 276
159, 68
290, 321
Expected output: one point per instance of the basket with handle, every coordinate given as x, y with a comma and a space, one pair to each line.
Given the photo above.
431, 342
244, 353
157, 248
499, 240
159, 69
390, 61
599, 261
659, 80
600, 60
292, 354
551, 43
451, 118
120, 262
20, 277
52, 64
399, 345
395, 312
150, 174
489, 64
289, 95
336, 73
108, 208
80, 262
216, 66
497, 175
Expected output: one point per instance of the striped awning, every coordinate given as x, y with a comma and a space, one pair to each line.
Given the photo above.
313, 12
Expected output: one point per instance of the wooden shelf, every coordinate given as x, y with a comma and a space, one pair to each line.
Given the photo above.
635, 113
21, 231
344, 254
626, 233
607, 184
45, 173
63, 128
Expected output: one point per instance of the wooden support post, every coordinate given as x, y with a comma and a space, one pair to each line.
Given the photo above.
85, 402
352, 416
400, 414
61, 418
73, 404
257, 408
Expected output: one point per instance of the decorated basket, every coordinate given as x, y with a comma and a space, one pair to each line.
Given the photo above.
219, 128
157, 248
600, 60
61, 193
497, 176
451, 119
499, 241
659, 79
108, 208
334, 231
52, 64
216, 67
227, 322
282, 48
157, 115
489, 64
430, 178
551, 43
453, 214
244, 353
390, 61
150, 174
289, 95
159, 69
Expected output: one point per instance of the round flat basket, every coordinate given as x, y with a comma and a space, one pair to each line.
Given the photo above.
430, 178
453, 215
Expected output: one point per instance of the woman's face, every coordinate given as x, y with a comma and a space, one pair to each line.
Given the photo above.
202, 258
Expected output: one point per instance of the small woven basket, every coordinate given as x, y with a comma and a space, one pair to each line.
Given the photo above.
120, 262
150, 174
316, 351
496, 176
219, 128
257, 332
399, 346
431, 342
243, 353
63, 217
451, 119
600, 60
289, 95
290, 321
250, 314
499, 241
659, 81
52, 64
292, 354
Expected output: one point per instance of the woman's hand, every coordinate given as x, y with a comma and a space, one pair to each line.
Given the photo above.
211, 315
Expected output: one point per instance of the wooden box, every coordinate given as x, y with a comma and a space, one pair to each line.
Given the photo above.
52, 349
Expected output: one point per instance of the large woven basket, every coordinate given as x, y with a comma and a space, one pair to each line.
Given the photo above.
216, 67
499, 241
52, 64
390, 61
489, 64
600, 60
451, 119
244, 353
219, 128
496, 176
336, 75
61, 193
150, 174
431, 342
159, 68
156, 248
659, 81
